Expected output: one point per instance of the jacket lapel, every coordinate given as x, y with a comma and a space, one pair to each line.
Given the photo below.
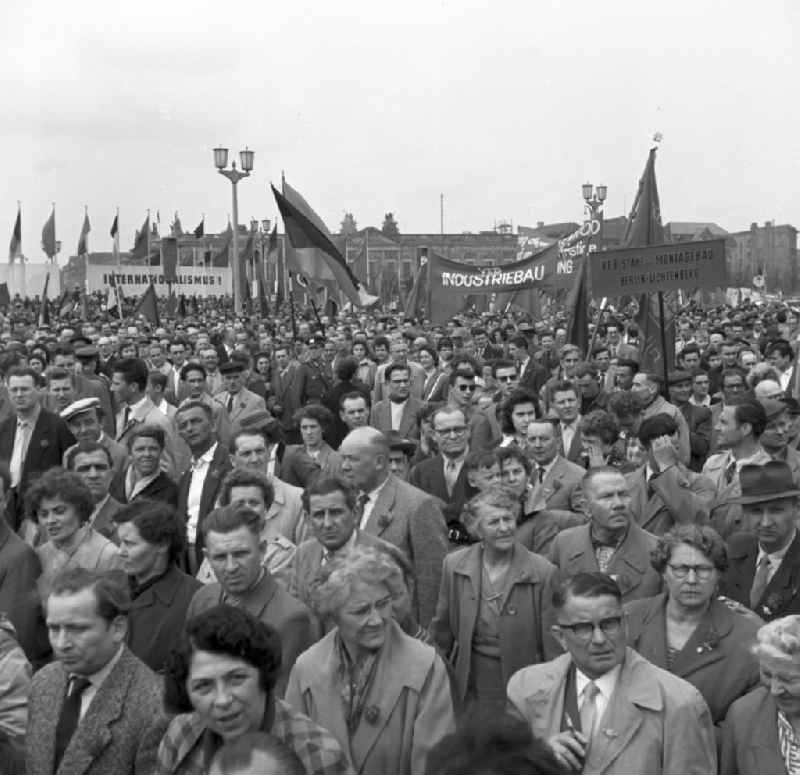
36, 444
785, 584
381, 516
211, 484
702, 648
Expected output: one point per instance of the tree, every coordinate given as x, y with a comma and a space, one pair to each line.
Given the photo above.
348, 227
390, 228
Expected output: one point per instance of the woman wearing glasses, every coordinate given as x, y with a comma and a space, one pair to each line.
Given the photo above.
688, 630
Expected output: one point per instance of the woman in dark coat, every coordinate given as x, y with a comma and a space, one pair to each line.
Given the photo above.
151, 543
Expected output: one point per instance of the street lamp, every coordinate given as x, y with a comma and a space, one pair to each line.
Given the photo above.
594, 196
234, 175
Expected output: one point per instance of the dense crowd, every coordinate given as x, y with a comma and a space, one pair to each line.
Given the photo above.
368, 544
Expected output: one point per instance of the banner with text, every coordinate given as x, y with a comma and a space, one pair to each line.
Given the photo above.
133, 279
681, 266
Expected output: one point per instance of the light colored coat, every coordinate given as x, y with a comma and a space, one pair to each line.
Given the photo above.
560, 489
409, 698
285, 516
246, 403
381, 418
655, 722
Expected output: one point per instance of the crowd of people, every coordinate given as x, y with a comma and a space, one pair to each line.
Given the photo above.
368, 544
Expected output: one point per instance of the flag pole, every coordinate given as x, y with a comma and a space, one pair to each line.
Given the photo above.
291, 307
664, 361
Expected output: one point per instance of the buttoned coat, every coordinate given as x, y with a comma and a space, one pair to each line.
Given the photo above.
428, 476
285, 515
270, 603
679, 497
725, 515
245, 404
299, 469
411, 520
50, 439
750, 744
157, 616
289, 392
716, 659
381, 418
409, 698
524, 621
572, 552
558, 488
118, 735
655, 722
782, 594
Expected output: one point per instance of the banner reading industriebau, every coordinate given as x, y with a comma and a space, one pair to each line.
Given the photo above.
133, 279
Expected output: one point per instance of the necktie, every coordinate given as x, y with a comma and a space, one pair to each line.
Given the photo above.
730, 472
361, 502
69, 717
18, 453
450, 476
760, 581
230, 404
540, 472
589, 711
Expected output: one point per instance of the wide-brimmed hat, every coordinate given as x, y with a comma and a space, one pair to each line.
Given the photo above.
769, 482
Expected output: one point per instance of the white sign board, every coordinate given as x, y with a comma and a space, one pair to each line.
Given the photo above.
133, 280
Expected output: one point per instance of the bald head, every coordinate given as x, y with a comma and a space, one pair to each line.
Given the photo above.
768, 388
365, 458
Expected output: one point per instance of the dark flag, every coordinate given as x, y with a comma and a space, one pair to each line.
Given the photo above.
83, 240
141, 242
270, 268
44, 307
15, 246
645, 228
578, 300
417, 299
148, 306
49, 245
172, 303
358, 266
200, 231
5, 296
169, 258
220, 258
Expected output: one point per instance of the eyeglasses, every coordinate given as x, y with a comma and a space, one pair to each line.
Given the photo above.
584, 631
466, 388
457, 431
702, 572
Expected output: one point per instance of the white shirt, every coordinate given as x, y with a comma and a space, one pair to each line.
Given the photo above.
568, 433
605, 684
369, 504
705, 402
775, 559
96, 681
199, 470
785, 377
547, 468
22, 440
397, 413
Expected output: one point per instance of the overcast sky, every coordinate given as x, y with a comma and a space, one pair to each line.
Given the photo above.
368, 106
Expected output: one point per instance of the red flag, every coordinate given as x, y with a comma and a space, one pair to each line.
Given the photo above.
578, 300
49, 245
142, 242
15, 246
148, 306
169, 258
83, 240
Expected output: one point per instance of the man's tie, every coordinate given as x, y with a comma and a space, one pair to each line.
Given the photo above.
589, 712
361, 501
760, 582
540, 473
70, 716
230, 404
450, 476
730, 472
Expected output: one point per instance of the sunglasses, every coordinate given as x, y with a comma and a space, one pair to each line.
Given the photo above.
467, 388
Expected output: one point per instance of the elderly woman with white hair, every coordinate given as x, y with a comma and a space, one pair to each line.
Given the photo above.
761, 734
384, 695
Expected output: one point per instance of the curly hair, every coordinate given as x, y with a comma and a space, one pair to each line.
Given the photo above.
701, 537
623, 403
246, 477
601, 424
315, 412
227, 631
65, 485
513, 452
779, 639
334, 582
495, 498
158, 524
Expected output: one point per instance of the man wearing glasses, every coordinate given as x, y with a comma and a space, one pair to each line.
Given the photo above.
601, 707
462, 394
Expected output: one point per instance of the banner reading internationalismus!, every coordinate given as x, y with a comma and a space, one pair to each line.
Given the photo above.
133, 279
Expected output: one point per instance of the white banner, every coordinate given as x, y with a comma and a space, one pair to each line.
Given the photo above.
133, 280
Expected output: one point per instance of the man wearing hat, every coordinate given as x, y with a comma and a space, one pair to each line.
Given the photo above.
401, 450
698, 418
764, 563
236, 398
775, 438
84, 419
646, 386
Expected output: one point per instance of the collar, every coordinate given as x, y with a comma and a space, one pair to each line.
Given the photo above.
96, 679
134, 408
373, 494
548, 467
705, 402
459, 461
741, 461
207, 456
572, 424
775, 558
606, 683
34, 416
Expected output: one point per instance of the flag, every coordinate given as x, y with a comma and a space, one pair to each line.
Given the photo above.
578, 301
644, 228
169, 258
15, 246
5, 296
358, 265
417, 300
83, 240
115, 238
271, 260
263, 303
65, 304
172, 302
201, 229
315, 255
113, 300
141, 243
148, 306
44, 306
49, 235
220, 258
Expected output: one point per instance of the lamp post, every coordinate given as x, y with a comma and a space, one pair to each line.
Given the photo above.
234, 175
594, 197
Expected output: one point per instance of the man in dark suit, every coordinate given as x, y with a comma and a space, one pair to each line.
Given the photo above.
236, 551
566, 405
764, 564
97, 709
612, 542
199, 487
698, 418
398, 513
399, 411
32, 440
532, 375
444, 476
289, 386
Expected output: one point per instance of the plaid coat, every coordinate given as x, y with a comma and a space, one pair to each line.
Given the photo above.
185, 748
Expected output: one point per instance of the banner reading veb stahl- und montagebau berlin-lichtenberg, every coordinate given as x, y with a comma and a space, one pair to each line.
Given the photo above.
133, 279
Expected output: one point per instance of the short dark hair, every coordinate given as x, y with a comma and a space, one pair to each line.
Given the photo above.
658, 425
157, 378
202, 405
315, 412
703, 538
512, 452
226, 519
503, 363
67, 485
519, 396
393, 367
585, 584
481, 458
110, 589
147, 432
227, 631
460, 373
158, 524
601, 424
781, 348
87, 447
23, 371
629, 364
192, 366
750, 411
346, 368
352, 396
134, 371
564, 387
325, 485
246, 477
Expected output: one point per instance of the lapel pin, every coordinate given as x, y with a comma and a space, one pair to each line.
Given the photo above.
612, 733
